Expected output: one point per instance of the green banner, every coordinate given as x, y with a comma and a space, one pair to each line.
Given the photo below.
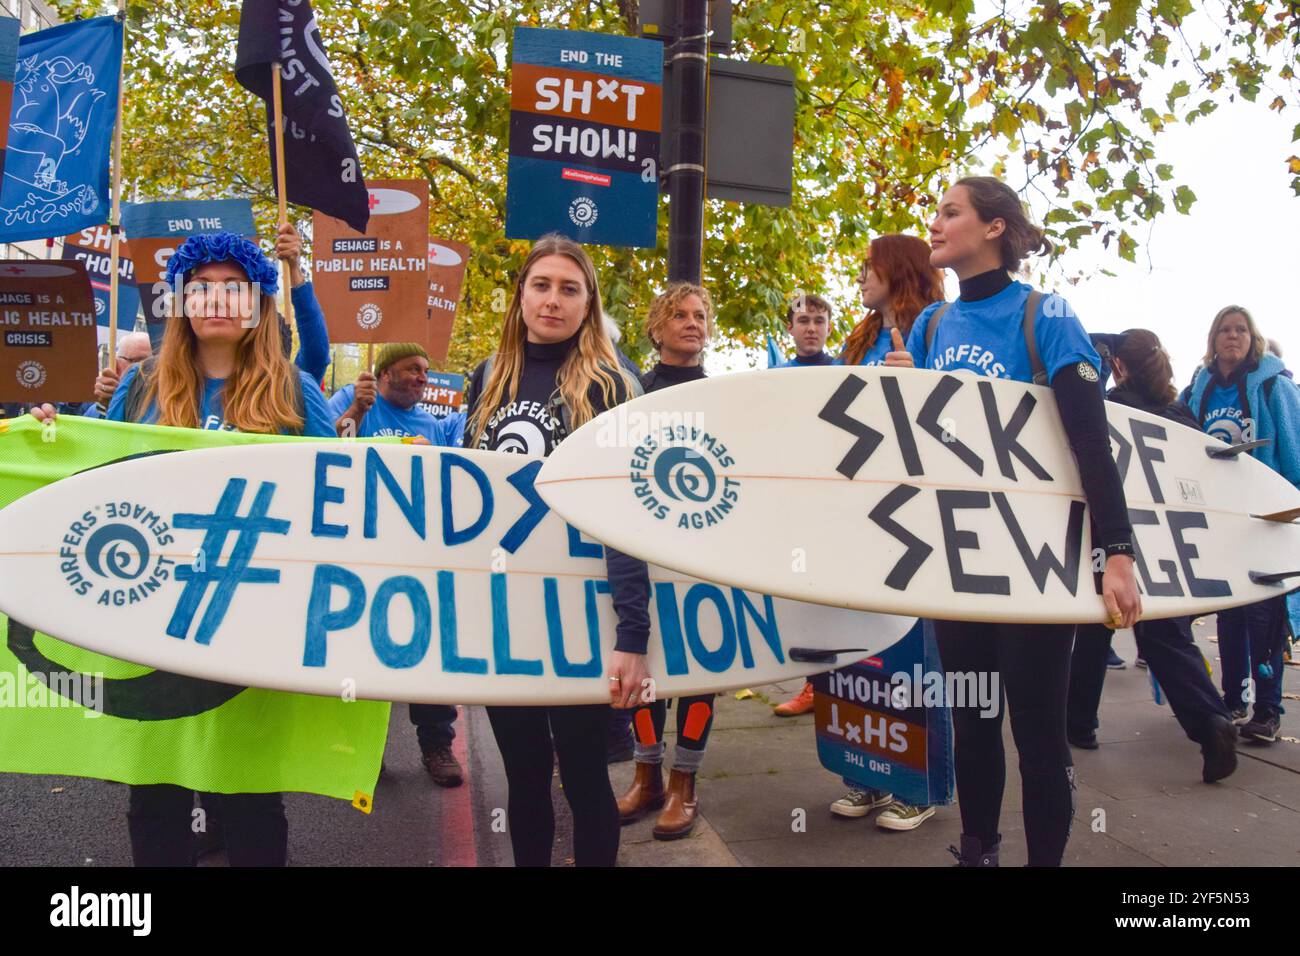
66, 710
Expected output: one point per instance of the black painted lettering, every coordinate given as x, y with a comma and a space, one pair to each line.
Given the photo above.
917, 550
1045, 562
1179, 522
1142, 431
1169, 588
836, 413
1006, 439
944, 390
1125, 452
902, 427
954, 542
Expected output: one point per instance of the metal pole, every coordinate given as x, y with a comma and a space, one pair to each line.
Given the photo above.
690, 63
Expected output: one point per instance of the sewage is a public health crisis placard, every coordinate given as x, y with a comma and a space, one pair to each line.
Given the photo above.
585, 116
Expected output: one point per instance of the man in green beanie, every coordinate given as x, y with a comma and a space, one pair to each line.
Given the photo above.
387, 403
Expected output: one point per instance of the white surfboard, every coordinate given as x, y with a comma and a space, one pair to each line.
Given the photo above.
387, 572
916, 492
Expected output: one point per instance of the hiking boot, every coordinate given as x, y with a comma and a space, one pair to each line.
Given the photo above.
858, 802
800, 703
1219, 749
1238, 714
903, 816
680, 807
645, 794
1263, 729
443, 767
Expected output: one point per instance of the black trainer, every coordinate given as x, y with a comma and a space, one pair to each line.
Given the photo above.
1263, 729
1219, 749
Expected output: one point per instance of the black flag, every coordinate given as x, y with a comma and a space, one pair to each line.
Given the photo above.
322, 170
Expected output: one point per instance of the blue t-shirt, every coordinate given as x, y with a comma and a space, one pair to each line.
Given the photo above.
985, 337
385, 418
1225, 418
319, 424
879, 349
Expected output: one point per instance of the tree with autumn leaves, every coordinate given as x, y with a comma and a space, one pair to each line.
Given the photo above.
893, 101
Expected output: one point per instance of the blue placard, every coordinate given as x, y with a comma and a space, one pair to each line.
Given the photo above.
584, 137
444, 392
9, 28
187, 217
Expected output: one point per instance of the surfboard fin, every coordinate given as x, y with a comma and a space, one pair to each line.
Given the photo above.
1232, 451
1286, 517
1259, 577
818, 655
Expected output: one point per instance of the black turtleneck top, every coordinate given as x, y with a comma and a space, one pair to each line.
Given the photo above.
662, 376
531, 425
821, 358
984, 285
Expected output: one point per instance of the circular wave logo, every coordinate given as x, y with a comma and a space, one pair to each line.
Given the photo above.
521, 438
114, 553
683, 474
118, 551
369, 316
31, 374
679, 474
583, 211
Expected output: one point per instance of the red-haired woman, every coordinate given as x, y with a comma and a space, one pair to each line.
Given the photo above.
897, 282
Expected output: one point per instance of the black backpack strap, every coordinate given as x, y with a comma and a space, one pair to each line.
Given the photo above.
135, 392
933, 325
1031, 343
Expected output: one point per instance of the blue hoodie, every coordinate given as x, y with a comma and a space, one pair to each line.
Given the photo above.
1277, 419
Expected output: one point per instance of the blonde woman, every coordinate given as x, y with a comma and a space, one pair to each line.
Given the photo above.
221, 366
554, 370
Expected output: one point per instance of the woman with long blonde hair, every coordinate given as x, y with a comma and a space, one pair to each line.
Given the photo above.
554, 370
221, 365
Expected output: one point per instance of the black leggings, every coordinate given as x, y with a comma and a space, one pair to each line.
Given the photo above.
160, 822
524, 736
1033, 661
693, 722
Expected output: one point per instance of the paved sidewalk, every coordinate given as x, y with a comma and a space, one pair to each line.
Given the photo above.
1141, 801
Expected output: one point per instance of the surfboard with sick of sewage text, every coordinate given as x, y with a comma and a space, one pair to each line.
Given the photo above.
390, 572
921, 493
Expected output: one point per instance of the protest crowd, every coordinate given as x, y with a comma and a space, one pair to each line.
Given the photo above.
228, 360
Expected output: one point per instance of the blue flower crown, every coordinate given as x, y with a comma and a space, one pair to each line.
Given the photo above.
224, 247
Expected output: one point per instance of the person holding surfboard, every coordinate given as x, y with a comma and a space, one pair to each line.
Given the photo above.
1144, 380
679, 325
1003, 328
220, 366
1240, 394
555, 370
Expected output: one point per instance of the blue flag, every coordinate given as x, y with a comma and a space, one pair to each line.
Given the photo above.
61, 130
8, 64
774, 358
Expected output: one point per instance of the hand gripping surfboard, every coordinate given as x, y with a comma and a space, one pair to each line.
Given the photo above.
920, 493
388, 572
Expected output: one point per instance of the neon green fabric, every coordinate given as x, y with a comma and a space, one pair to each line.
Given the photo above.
257, 741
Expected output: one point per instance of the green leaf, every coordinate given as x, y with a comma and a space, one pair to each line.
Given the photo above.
1183, 199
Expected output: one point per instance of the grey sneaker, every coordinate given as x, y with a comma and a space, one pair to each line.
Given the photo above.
903, 816
859, 802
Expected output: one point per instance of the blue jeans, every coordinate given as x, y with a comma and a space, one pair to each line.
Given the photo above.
1251, 640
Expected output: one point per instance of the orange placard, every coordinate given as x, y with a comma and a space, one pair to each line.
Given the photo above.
48, 349
374, 286
447, 261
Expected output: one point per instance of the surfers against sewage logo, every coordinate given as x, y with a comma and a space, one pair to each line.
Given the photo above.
678, 475
106, 553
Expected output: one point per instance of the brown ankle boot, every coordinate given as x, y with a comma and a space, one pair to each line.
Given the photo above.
678, 816
645, 794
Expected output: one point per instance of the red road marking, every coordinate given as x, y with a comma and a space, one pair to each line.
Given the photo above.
456, 841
